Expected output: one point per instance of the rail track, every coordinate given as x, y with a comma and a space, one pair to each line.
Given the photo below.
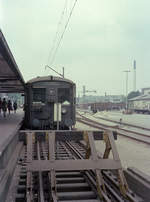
71, 185
138, 136
125, 124
118, 122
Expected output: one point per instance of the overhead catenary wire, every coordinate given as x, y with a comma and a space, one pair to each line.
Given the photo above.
59, 42
57, 31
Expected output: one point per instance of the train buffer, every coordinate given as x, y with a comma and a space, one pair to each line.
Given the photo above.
91, 161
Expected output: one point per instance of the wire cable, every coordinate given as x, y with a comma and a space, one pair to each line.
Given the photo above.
54, 55
57, 31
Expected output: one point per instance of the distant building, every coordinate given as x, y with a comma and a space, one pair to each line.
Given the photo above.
145, 91
103, 99
141, 104
101, 106
114, 98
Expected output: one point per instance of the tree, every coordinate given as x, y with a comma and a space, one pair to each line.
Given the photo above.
133, 94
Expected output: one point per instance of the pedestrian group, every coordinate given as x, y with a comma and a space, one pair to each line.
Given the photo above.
4, 105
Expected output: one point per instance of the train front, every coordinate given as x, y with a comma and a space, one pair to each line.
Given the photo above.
50, 103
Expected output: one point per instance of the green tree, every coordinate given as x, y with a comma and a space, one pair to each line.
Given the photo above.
133, 94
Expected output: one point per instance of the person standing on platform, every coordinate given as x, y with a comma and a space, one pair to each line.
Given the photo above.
0, 105
4, 107
15, 106
9, 106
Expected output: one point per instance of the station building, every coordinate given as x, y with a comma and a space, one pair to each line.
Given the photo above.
141, 104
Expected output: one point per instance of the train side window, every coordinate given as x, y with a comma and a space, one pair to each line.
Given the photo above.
39, 94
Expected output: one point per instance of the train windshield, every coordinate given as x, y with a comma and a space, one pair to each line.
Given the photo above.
63, 95
39, 94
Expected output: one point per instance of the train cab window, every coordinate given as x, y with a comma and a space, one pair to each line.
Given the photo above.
63, 95
39, 94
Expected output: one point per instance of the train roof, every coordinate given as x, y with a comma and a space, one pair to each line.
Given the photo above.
49, 78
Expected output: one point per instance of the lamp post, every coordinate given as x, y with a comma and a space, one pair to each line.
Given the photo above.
126, 71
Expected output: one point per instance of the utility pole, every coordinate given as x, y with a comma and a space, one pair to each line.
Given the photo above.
87, 91
84, 94
134, 76
126, 71
63, 69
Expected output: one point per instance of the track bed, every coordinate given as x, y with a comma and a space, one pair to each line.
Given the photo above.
61, 185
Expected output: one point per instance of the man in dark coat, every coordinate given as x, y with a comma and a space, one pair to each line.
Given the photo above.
15, 106
9, 106
4, 107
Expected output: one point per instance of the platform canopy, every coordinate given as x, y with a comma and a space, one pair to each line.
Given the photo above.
11, 80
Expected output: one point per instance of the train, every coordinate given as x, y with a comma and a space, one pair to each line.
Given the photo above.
50, 103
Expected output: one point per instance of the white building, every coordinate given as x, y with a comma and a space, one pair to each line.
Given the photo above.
145, 91
140, 103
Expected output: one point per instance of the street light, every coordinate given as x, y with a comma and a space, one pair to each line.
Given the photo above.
126, 71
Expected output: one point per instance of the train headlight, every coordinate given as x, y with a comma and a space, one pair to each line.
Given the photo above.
64, 110
36, 123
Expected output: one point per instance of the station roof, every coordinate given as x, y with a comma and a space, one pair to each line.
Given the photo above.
11, 80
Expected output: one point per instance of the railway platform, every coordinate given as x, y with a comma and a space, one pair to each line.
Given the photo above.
9, 147
8, 134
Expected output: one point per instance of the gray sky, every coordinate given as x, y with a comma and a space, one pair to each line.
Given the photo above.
102, 40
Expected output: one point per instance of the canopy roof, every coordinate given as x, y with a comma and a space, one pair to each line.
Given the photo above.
11, 80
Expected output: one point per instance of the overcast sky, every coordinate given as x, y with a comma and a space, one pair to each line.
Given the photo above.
101, 41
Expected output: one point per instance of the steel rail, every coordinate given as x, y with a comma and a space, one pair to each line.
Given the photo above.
139, 137
113, 121
29, 194
125, 124
41, 193
122, 129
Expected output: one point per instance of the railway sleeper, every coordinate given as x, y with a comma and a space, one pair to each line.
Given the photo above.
82, 195
73, 186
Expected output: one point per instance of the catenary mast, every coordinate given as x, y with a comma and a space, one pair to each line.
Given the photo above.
134, 75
